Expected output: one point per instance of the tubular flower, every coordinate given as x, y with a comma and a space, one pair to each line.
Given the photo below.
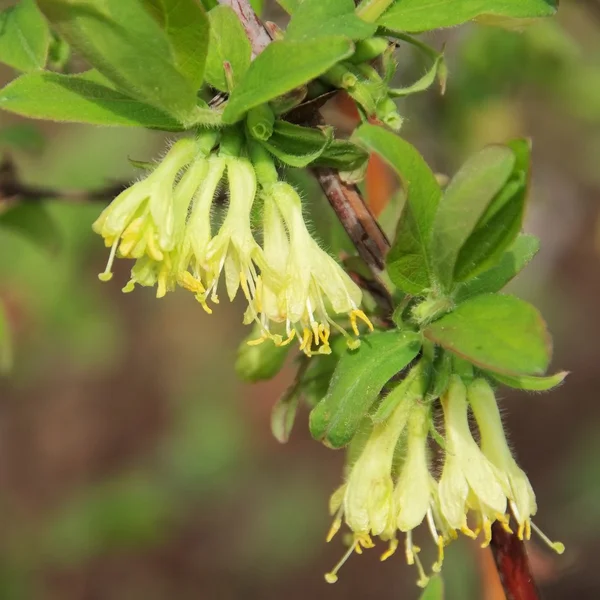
415, 494
468, 480
311, 283
234, 249
140, 222
367, 503
495, 447
192, 273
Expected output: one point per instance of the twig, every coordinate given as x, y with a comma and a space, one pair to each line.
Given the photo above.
372, 245
513, 565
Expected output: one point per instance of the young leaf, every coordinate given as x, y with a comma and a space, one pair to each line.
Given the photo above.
281, 67
77, 98
297, 146
530, 382
24, 36
316, 18
466, 199
187, 28
228, 42
417, 15
342, 155
409, 261
501, 222
33, 222
127, 45
516, 258
497, 333
358, 378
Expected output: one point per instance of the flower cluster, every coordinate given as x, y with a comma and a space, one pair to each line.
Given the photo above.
477, 486
165, 223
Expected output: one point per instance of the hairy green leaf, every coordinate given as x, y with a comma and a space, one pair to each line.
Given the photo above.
128, 46
358, 378
409, 261
501, 223
498, 333
187, 28
516, 258
466, 199
281, 67
77, 98
424, 15
297, 146
24, 36
315, 18
530, 382
228, 42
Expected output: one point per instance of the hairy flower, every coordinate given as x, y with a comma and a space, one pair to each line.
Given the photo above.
140, 222
468, 480
495, 447
303, 283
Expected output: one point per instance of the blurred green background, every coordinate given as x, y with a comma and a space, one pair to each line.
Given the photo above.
133, 465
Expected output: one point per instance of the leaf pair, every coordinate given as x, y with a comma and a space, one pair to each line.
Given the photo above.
446, 239
150, 55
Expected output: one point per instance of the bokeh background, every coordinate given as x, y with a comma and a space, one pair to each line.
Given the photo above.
133, 464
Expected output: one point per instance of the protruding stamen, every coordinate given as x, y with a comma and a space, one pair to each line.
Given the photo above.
558, 547
332, 577
106, 275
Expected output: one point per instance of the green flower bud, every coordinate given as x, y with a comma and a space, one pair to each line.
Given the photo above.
259, 362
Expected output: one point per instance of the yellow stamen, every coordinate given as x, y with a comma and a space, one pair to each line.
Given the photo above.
390, 551
558, 547
106, 275
359, 314
468, 532
332, 577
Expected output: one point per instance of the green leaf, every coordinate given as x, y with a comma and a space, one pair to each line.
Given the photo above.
22, 136
342, 155
228, 42
498, 333
127, 45
33, 222
531, 383
76, 98
358, 378
297, 146
24, 36
516, 258
6, 355
409, 262
501, 222
289, 5
466, 199
424, 15
434, 589
186, 26
411, 388
281, 67
316, 18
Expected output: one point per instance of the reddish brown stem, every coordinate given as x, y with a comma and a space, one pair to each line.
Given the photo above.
513, 565
372, 245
